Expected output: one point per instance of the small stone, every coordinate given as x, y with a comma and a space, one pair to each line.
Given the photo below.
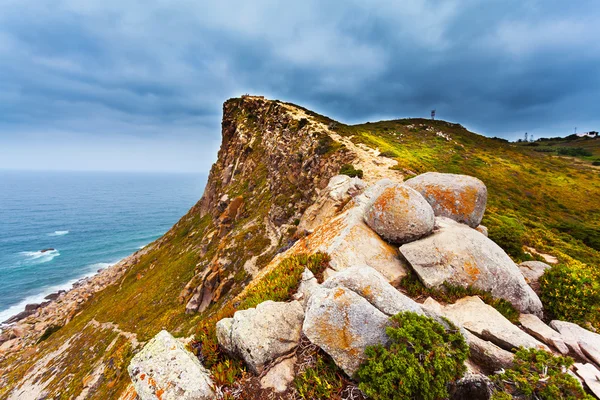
532, 271
280, 376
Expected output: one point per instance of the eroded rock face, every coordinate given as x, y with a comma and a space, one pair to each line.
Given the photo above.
373, 286
487, 323
400, 215
461, 256
533, 271
165, 370
260, 335
343, 324
459, 197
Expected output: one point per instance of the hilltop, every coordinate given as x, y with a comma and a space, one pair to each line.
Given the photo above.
265, 194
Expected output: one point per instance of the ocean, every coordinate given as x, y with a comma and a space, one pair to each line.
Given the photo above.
58, 227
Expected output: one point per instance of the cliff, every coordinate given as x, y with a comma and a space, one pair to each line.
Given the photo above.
267, 199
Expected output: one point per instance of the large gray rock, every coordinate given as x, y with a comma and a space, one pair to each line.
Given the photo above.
538, 329
308, 283
589, 342
165, 370
374, 287
487, 323
487, 356
462, 256
262, 334
460, 197
343, 324
532, 271
400, 215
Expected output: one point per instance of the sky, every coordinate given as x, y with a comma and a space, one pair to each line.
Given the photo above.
139, 85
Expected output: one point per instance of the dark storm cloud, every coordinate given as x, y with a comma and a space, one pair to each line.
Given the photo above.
158, 71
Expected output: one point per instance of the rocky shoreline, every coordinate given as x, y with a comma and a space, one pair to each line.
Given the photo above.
36, 320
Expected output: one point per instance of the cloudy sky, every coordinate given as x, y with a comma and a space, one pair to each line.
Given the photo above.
138, 85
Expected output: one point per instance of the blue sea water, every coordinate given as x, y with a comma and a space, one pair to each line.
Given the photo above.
90, 219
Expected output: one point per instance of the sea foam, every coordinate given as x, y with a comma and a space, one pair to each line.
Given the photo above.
59, 233
39, 257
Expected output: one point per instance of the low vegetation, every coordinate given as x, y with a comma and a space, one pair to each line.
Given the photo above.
421, 360
351, 171
537, 374
572, 292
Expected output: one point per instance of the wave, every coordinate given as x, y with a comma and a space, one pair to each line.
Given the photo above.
40, 257
59, 233
90, 271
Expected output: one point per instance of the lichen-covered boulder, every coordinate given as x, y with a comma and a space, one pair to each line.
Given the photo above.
262, 334
165, 370
371, 285
400, 215
343, 324
460, 197
462, 256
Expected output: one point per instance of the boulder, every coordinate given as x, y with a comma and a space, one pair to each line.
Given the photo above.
372, 285
349, 241
343, 324
461, 256
532, 271
308, 283
538, 329
590, 375
472, 386
487, 323
482, 229
262, 334
589, 342
487, 356
165, 370
459, 197
400, 215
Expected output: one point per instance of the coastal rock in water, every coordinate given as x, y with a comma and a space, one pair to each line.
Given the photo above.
461, 256
371, 285
260, 335
532, 271
460, 197
400, 215
164, 369
486, 322
538, 329
343, 324
589, 342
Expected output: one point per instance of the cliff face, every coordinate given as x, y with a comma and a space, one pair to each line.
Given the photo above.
273, 160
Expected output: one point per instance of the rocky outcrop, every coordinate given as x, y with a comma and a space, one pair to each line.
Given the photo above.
373, 286
262, 334
343, 324
459, 197
487, 323
590, 375
165, 370
533, 271
589, 342
538, 329
400, 215
461, 256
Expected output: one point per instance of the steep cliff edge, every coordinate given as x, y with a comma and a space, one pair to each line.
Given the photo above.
274, 161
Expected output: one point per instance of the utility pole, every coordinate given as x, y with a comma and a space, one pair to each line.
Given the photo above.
526, 136
433, 114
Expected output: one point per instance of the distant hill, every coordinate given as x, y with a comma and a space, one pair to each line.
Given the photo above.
584, 148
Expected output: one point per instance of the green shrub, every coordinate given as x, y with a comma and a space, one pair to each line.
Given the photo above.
572, 292
422, 359
537, 374
348, 169
48, 332
596, 163
508, 233
388, 154
573, 152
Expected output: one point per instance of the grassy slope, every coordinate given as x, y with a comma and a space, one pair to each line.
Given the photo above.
553, 198
592, 145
